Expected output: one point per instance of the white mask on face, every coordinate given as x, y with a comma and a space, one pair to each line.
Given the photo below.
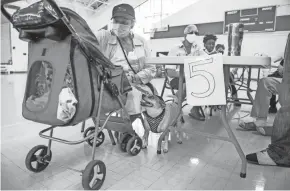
191, 38
121, 30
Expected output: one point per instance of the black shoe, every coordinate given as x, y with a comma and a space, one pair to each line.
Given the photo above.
273, 110
196, 115
252, 158
235, 96
237, 104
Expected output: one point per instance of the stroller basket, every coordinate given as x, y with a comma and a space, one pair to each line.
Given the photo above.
68, 53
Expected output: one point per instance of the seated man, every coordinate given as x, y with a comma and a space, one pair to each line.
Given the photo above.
276, 74
188, 47
266, 88
278, 151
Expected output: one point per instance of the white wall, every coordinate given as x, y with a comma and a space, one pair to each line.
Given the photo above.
19, 52
270, 44
205, 11
5, 43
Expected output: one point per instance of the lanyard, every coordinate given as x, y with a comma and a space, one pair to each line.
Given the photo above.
125, 55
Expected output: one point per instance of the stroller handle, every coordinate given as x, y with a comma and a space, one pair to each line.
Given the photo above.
52, 3
3, 10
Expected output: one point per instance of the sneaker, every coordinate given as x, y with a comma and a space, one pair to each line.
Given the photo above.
250, 126
265, 130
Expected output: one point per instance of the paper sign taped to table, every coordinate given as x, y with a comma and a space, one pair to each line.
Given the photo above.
205, 80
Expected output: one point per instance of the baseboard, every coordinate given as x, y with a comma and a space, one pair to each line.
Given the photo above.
18, 72
14, 72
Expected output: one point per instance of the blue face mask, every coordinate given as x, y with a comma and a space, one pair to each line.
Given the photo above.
121, 30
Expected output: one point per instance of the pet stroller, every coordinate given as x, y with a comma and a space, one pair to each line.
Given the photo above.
69, 80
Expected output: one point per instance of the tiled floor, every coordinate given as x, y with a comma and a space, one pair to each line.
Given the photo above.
199, 163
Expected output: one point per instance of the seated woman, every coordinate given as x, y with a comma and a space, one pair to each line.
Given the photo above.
188, 47
120, 43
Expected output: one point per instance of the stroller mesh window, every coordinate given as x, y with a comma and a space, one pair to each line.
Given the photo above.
68, 79
39, 85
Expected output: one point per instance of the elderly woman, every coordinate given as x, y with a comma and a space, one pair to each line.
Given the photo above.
187, 47
129, 50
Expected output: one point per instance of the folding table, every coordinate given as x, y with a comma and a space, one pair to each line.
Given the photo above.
228, 62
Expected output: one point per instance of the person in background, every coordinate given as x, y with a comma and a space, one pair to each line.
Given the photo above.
267, 87
121, 42
220, 48
277, 153
276, 74
188, 47
209, 41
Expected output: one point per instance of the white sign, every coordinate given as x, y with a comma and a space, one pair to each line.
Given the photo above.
205, 80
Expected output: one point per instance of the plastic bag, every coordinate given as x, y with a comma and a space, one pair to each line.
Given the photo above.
66, 105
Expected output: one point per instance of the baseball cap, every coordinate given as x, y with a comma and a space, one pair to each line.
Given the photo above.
190, 29
124, 10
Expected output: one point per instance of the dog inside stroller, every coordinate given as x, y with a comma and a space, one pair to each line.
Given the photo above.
69, 81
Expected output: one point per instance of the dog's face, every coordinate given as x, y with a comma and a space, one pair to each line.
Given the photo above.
152, 101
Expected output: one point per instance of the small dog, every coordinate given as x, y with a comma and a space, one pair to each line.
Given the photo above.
158, 117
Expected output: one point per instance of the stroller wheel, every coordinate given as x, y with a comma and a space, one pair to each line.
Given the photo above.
124, 140
37, 159
94, 175
134, 146
100, 137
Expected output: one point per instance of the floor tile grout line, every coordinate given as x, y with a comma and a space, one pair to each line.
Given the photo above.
142, 177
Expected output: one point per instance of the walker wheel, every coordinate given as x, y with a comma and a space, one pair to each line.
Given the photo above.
134, 145
100, 137
124, 140
37, 159
94, 175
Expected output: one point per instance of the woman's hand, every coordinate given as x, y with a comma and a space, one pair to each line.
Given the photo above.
137, 79
134, 78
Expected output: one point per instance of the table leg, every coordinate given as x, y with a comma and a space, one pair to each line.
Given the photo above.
180, 87
234, 140
180, 92
248, 86
231, 135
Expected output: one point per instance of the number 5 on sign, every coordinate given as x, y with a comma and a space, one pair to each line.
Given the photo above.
205, 80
